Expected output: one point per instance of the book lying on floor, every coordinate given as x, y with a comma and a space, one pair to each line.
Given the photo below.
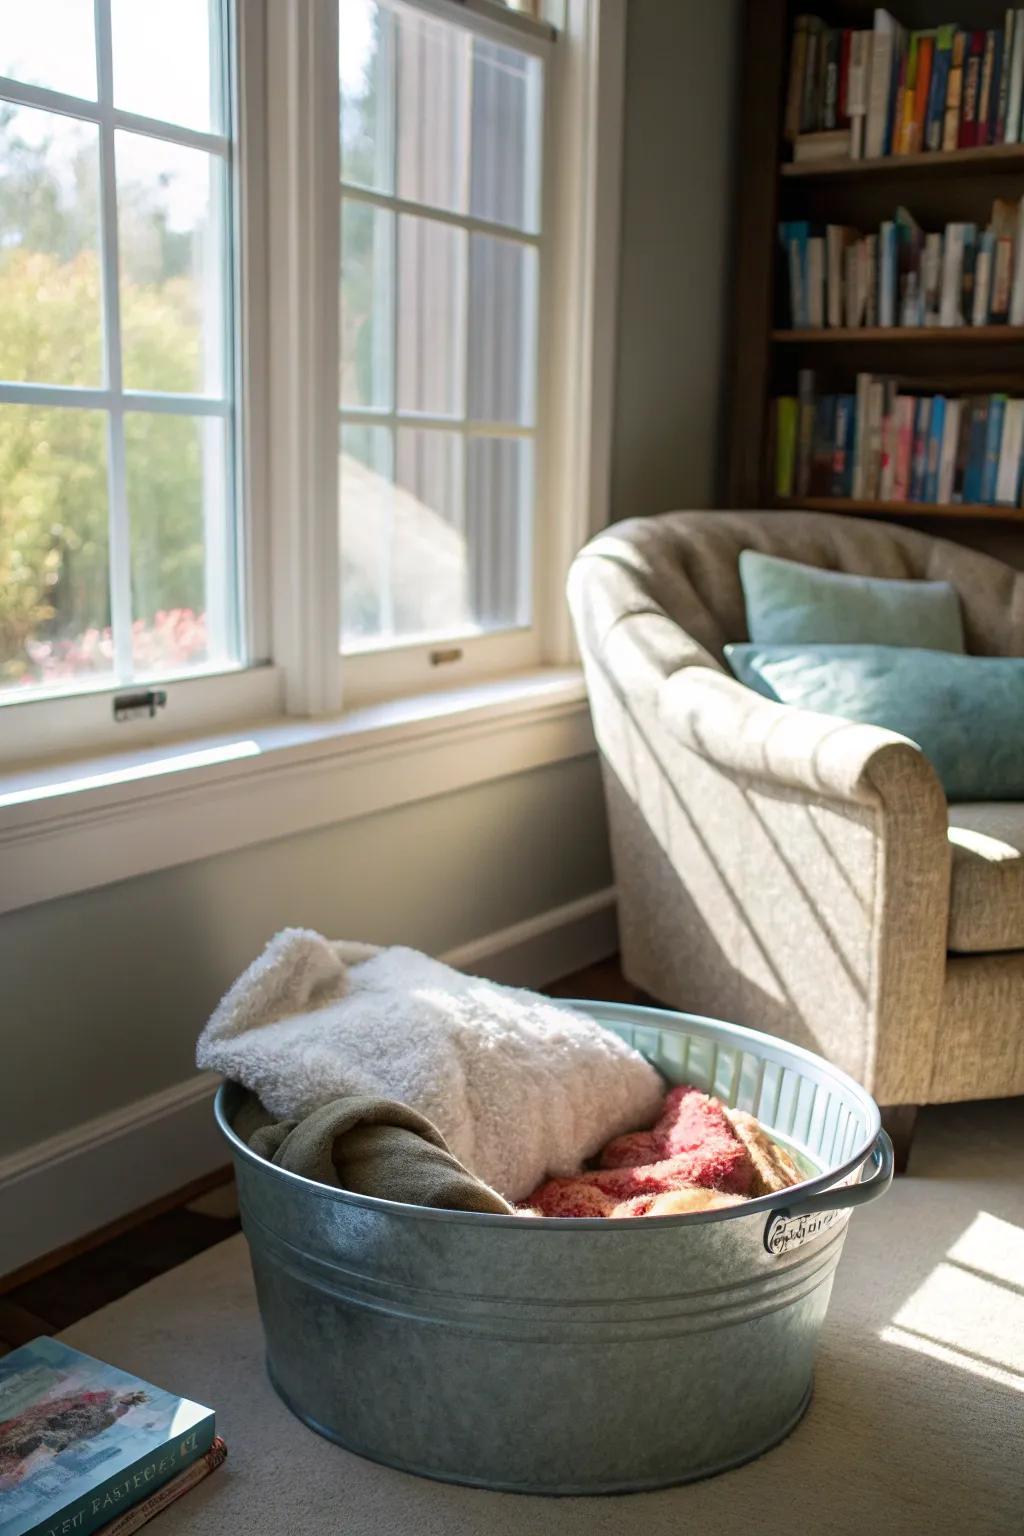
82, 1443
136, 1517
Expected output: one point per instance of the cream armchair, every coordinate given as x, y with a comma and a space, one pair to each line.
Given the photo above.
788, 870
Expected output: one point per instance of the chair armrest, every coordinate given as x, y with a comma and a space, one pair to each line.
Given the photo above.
742, 732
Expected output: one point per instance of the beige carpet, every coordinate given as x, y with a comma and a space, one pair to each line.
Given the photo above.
916, 1428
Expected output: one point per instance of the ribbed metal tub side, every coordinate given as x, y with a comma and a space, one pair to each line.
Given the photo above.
574, 1356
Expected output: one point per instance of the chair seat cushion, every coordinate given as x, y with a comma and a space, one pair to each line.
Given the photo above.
986, 907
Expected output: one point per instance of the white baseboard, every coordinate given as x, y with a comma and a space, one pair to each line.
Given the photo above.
63, 1188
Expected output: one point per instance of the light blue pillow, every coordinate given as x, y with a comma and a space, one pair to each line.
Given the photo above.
788, 603
966, 713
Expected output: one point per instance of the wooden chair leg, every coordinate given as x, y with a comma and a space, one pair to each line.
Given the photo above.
899, 1120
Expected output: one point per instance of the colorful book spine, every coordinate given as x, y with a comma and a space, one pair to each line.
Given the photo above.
786, 416
935, 112
1007, 493
805, 430
1016, 80
919, 459
971, 91
904, 447
977, 440
842, 461
1002, 100
993, 442
134, 1519
985, 88
954, 92
933, 456
947, 456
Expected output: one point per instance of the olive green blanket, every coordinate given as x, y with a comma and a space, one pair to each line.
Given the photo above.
369, 1146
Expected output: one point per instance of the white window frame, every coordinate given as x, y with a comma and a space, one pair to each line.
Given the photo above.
386, 668
42, 721
172, 786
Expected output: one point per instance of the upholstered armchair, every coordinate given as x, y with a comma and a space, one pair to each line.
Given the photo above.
789, 870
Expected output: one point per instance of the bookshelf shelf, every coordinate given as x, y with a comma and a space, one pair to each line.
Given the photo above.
950, 162
896, 508
961, 335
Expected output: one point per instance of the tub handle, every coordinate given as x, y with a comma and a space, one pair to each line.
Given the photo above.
791, 1225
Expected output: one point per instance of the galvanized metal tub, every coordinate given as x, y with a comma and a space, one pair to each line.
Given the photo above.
580, 1355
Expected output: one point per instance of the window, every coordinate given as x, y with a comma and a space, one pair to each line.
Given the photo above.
277, 430
117, 531
441, 250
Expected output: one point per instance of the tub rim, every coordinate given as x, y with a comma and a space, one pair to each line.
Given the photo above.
660, 1018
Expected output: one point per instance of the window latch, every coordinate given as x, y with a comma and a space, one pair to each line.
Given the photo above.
129, 706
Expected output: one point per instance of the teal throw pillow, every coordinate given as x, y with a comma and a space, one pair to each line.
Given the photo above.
966, 713
788, 603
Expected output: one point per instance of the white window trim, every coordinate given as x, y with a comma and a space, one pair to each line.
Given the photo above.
54, 843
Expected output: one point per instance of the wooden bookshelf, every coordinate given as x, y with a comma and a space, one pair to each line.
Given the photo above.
848, 505
941, 187
951, 162
913, 335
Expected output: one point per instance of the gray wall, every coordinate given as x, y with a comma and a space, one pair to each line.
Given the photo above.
681, 82
105, 992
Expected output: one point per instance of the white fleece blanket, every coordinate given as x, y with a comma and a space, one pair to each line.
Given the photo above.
520, 1087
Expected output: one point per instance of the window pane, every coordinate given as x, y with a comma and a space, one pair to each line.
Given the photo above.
404, 560
502, 330
506, 136
431, 347
50, 302
54, 584
172, 271
51, 43
167, 60
499, 494
367, 346
433, 111
182, 591
366, 72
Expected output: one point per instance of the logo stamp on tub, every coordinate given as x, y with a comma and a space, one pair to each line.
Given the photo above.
785, 1232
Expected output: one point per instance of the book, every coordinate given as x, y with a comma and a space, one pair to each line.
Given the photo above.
922, 86
816, 282
1017, 282
983, 278
140, 1514
883, 59
993, 443
82, 1442
954, 92
805, 429
995, 87
1008, 477
838, 240
794, 235
842, 459
812, 148
947, 454
887, 467
1016, 81
906, 98
971, 90
857, 90
952, 273
977, 442
830, 83
795, 87
812, 64
919, 453
904, 446
860, 436
935, 112
1002, 101
1002, 276
931, 278
786, 412
887, 273
933, 451
985, 81
871, 280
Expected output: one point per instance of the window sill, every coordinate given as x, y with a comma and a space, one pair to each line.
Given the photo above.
77, 825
